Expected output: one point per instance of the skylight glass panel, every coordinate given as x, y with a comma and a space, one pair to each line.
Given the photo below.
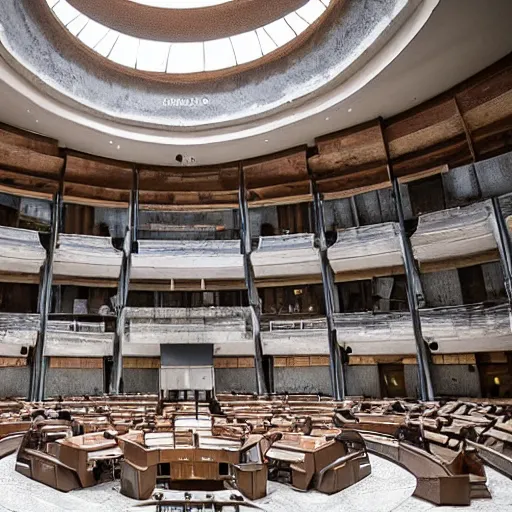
266, 42
186, 58
247, 47
311, 11
296, 22
104, 47
52, 3
280, 32
76, 26
93, 33
153, 56
218, 54
125, 51
65, 12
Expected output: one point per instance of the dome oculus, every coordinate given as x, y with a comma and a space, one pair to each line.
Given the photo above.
186, 57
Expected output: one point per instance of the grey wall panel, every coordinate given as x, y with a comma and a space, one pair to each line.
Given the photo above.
453, 380
442, 288
363, 380
460, 186
14, 382
140, 380
240, 380
313, 379
494, 281
494, 175
73, 381
411, 380
456, 380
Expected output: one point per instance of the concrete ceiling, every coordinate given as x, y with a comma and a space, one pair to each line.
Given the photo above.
454, 44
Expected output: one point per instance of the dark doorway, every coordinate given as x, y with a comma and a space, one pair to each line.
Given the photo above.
392, 380
495, 374
108, 363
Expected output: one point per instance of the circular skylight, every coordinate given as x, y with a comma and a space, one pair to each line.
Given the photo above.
193, 57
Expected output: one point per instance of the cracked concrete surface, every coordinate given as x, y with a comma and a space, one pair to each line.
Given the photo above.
388, 489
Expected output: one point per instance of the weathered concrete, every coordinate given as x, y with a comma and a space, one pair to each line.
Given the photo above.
453, 380
140, 380
313, 379
355, 31
442, 288
456, 380
64, 381
14, 381
363, 380
240, 380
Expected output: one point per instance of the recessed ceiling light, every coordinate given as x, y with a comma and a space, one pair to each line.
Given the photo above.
118, 146
327, 119
266, 140
28, 111
37, 120
111, 142
350, 110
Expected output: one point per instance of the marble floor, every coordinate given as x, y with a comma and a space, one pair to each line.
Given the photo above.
388, 489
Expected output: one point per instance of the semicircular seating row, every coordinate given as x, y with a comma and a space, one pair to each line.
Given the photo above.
442, 235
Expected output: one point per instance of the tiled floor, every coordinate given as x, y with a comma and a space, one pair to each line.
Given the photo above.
388, 489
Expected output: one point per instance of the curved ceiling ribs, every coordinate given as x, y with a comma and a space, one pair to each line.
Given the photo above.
185, 25
472, 120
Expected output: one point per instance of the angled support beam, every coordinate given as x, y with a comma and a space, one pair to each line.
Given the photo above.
130, 239
504, 245
38, 366
254, 299
336, 369
414, 293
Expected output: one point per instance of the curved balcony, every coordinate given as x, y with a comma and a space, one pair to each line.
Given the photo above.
20, 251
87, 256
456, 329
453, 233
188, 260
16, 331
227, 328
290, 338
286, 256
366, 249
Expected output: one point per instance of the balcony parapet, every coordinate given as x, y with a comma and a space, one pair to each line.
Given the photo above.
286, 256
20, 251
456, 329
188, 260
453, 233
227, 328
366, 248
87, 256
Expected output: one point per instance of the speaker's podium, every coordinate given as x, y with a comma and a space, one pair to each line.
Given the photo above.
186, 368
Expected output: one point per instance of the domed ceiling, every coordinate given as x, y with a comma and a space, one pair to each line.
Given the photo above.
220, 81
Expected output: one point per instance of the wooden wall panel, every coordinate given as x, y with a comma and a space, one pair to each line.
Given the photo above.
75, 363
141, 363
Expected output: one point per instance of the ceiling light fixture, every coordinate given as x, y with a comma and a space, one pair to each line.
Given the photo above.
327, 118
118, 146
266, 140
349, 110
111, 142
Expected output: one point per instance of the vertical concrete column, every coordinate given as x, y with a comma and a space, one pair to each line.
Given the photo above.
38, 366
130, 240
254, 299
504, 245
422, 354
336, 369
